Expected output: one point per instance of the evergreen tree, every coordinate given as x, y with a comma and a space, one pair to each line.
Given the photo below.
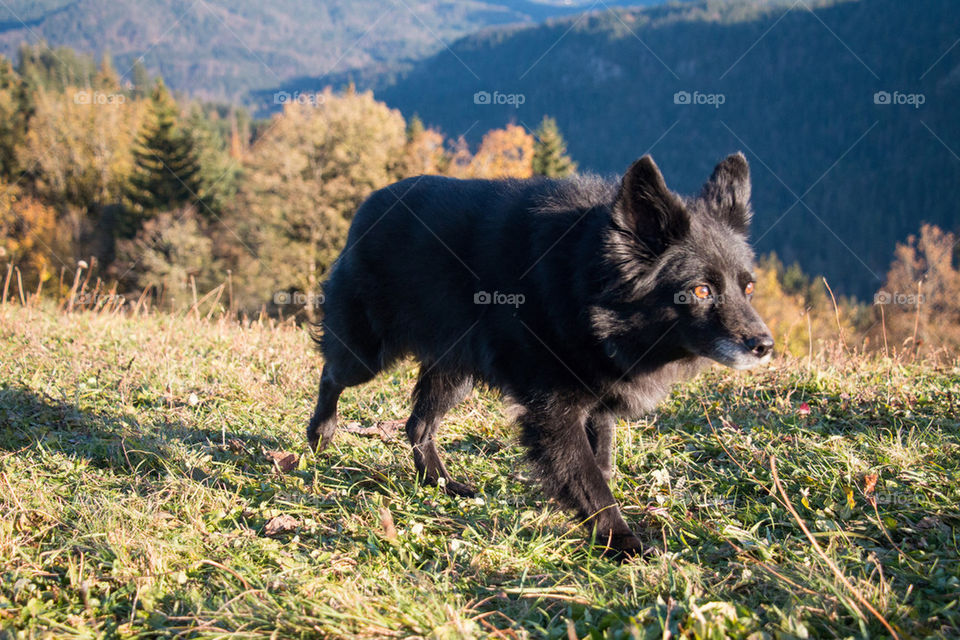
166, 173
550, 151
219, 172
141, 79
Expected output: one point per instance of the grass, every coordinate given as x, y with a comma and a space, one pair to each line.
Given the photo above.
139, 498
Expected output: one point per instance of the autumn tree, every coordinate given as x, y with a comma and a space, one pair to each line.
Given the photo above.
919, 303
423, 152
13, 118
304, 179
503, 153
799, 311
42, 67
30, 237
550, 151
78, 150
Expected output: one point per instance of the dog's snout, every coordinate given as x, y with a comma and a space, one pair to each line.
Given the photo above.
760, 345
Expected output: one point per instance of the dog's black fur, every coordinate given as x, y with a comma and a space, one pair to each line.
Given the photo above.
600, 323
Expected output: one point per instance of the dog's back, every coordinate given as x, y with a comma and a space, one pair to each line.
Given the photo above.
443, 269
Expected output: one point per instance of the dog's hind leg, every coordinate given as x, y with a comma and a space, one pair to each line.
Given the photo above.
556, 439
323, 424
436, 393
602, 432
343, 368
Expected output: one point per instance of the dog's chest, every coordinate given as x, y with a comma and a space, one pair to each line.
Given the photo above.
640, 395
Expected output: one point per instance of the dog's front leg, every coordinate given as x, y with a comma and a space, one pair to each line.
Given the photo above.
556, 439
601, 432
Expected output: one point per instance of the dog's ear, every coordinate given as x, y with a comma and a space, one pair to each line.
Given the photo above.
648, 208
727, 192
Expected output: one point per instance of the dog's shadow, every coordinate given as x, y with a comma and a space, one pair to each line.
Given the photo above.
120, 443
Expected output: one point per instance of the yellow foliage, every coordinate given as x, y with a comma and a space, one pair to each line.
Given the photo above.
423, 154
304, 179
80, 144
503, 153
803, 320
31, 237
920, 299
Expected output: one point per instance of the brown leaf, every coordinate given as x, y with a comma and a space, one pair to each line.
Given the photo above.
869, 483
386, 521
280, 524
283, 461
384, 430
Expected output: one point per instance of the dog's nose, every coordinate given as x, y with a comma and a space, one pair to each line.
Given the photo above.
760, 345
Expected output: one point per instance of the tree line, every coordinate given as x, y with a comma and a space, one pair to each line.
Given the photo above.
175, 194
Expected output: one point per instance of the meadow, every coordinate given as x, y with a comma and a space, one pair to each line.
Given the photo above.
155, 482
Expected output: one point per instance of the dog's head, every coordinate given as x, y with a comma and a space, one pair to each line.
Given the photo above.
689, 263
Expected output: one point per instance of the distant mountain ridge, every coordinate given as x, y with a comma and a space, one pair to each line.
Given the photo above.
223, 49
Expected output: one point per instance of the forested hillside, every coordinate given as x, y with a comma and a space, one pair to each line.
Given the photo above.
221, 49
793, 88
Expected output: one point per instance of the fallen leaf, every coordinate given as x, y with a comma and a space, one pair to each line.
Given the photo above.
386, 521
283, 461
280, 524
384, 430
869, 483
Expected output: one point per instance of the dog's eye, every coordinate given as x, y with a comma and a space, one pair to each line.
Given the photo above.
702, 291
748, 289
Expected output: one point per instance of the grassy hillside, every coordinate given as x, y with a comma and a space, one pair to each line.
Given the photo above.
139, 497
797, 82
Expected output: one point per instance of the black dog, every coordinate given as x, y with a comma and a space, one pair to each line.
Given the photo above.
580, 299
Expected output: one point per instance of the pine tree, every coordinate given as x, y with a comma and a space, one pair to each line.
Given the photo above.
550, 152
166, 172
141, 79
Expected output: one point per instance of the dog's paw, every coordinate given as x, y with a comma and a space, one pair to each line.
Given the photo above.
621, 548
454, 488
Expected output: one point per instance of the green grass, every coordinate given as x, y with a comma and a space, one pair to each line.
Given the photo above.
135, 490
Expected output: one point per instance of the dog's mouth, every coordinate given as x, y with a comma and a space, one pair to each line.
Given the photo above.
741, 355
